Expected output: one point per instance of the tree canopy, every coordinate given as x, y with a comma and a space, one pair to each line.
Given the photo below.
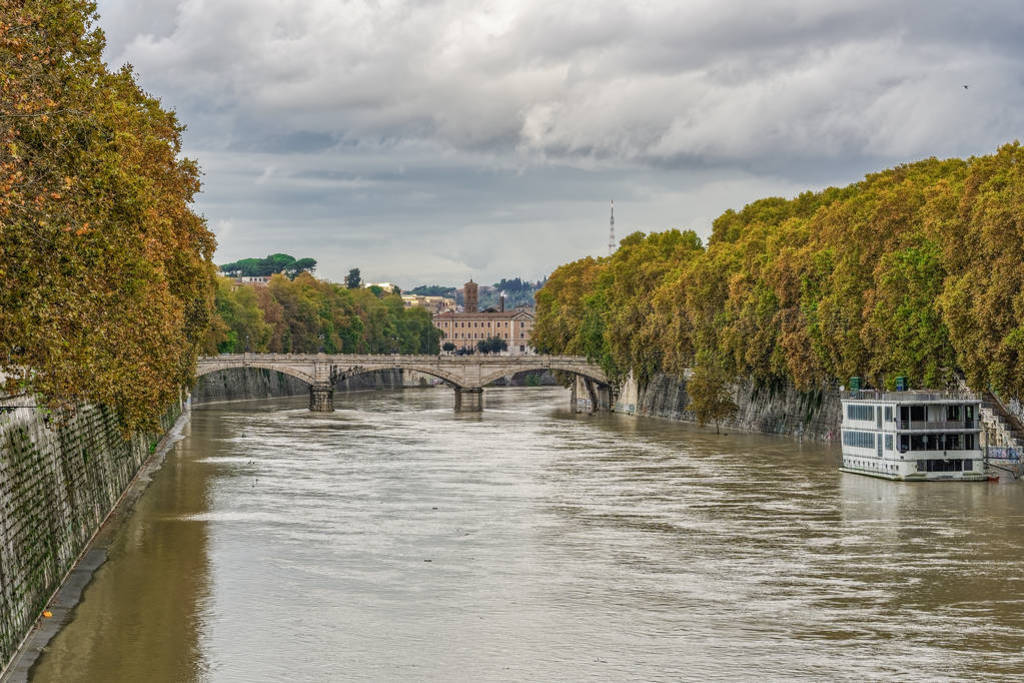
912, 271
492, 345
275, 263
306, 315
353, 280
107, 280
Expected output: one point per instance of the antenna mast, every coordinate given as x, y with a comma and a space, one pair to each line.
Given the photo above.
611, 231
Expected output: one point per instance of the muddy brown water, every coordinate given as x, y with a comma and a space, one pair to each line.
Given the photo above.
396, 540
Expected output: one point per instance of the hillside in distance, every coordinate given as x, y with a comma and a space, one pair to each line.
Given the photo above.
518, 292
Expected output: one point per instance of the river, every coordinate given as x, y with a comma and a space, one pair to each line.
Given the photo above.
396, 540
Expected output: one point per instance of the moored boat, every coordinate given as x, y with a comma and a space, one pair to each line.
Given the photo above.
913, 436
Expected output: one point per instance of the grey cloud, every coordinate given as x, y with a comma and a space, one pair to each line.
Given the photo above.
436, 127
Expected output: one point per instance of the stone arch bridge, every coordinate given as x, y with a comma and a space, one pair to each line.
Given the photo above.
468, 375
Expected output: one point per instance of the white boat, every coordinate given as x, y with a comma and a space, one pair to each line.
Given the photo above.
913, 436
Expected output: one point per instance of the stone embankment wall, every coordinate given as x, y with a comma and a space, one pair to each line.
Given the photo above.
245, 383
59, 479
779, 409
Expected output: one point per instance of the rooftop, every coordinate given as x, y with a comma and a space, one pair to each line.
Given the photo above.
496, 314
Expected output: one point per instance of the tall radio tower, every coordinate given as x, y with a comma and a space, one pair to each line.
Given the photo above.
611, 231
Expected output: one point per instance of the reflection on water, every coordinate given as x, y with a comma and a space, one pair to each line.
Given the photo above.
394, 539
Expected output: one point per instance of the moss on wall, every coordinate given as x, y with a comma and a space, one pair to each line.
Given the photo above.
58, 481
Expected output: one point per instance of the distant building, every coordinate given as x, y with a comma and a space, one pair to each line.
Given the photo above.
467, 328
261, 280
386, 286
434, 304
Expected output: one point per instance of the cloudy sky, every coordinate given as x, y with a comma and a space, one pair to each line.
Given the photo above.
436, 140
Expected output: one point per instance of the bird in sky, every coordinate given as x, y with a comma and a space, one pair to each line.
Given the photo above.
965, 87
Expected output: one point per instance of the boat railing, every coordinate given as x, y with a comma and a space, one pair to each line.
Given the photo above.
910, 396
936, 426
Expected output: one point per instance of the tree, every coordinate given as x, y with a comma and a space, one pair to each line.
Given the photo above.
353, 280
107, 277
274, 263
448, 346
492, 345
710, 394
240, 321
913, 271
434, 290
302, 265
306, 314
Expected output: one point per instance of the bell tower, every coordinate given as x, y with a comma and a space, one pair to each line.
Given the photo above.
470, 296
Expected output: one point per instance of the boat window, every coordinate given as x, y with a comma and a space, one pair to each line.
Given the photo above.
968, 442
888, 413
860, 412
952, 465
888, 442
952, 413
917, 413
904, 443
858, 439
968, 465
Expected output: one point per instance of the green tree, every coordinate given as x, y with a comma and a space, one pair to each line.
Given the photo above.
270, 265
306, 315
492, 345
353, 280
243, 327
710, 394
448, 346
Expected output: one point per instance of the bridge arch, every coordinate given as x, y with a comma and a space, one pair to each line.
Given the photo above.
284, 369
449, 377
590, 373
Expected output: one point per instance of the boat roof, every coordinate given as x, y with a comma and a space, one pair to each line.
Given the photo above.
876, 396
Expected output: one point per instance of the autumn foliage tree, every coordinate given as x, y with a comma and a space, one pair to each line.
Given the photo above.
913, 271
307, 315
710, 392
107, 280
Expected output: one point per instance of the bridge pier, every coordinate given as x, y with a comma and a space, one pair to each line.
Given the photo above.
321, 397
598, 396
469, 400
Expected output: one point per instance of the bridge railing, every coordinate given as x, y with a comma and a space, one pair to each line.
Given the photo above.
349, 358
